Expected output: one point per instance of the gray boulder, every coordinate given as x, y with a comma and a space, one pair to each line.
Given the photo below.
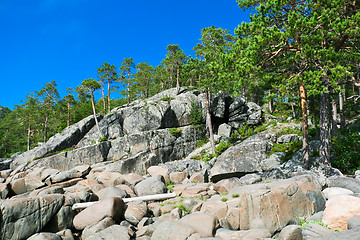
113, 232
151, 186
22, 217
45, 236
242, 158
5, 163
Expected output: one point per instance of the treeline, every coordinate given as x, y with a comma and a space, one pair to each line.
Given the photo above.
299, 57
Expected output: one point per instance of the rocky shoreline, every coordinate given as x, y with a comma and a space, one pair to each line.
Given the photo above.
244, 193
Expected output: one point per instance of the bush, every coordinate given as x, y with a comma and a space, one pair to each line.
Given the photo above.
175, 131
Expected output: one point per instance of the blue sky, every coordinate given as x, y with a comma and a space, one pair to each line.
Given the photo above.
67, 40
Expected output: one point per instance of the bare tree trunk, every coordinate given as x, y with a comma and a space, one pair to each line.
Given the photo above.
305, 148
341, 106
325, 130
208, 121
334, 117
177, 81
271, 104
109, 107
45, 127
103, 97
28, 137
94, 112
68, 114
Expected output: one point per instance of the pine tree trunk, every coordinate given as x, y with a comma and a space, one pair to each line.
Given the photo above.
103, 97
177, 81
45, 127
325, 130
334, 117
208, 121
68, 115
109, 107
94, 112
306, 164
28, 137
271, 104
341, 112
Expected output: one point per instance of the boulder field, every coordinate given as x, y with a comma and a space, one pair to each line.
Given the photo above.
145, 182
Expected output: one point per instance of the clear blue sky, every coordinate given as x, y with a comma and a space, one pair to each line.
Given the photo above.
67, 40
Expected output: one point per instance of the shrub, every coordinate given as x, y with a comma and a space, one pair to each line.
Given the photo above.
224, 199
175, 131
290, 131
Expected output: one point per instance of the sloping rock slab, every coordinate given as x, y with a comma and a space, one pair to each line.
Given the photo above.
81, 156
69, 137
22, 217
274, 205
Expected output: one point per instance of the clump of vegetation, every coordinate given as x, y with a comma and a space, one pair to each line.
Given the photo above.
182, 208
169, 185
201, 142
221, 147
346, 153
196, 114
224, 199
288, 148
102, 139
207, 157
235, 195
54, 153
175, 131
246, 131
166, 99
304, 222
290, 131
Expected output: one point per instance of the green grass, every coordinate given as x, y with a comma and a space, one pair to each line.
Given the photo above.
288, 148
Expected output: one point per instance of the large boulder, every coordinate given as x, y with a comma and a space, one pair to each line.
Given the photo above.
22, 217
242, 158
274, 205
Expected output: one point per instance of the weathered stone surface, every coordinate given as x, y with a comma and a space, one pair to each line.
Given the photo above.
92, 229
352, 184
291, 232
224, 130
80, 156
334, 191
45, 236
243, 234
110, 192
110, 207
4, 190
354, 222
274, 161
151, 186
204, 224
287, 138
113, 232
274, 205
22, 217
135, 211
242, 158
157, 170
315, 231
172, 230
177, 177
5, 163
339, 209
